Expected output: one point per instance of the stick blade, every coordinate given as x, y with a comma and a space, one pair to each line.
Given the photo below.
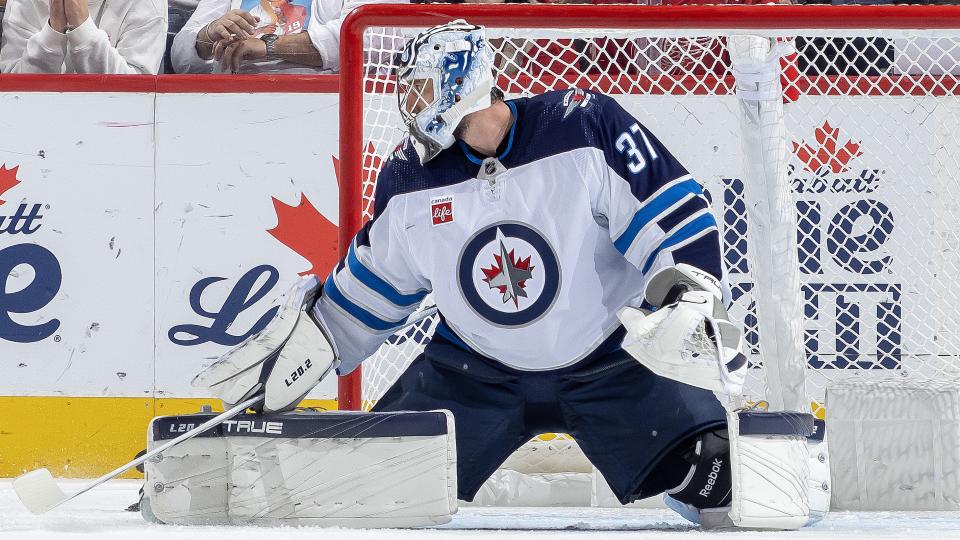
38, 491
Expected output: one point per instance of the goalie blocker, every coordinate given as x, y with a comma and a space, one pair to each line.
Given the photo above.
305, 468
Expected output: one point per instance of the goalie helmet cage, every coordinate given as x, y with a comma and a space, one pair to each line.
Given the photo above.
825, 137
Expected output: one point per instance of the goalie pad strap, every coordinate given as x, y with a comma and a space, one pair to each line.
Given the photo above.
775, 423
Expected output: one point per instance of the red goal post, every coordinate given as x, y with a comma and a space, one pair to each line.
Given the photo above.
839, 22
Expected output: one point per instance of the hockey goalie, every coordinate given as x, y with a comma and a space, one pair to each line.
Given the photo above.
578, 275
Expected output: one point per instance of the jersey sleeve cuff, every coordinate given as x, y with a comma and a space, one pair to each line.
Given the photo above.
51, 40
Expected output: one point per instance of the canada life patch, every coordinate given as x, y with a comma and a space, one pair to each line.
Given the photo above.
441, 209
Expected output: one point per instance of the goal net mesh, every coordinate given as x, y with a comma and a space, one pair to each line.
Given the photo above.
865, 148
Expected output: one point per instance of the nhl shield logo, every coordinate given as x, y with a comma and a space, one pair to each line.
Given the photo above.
509, 274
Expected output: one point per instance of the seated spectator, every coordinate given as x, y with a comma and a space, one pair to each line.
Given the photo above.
263, 36
83, 36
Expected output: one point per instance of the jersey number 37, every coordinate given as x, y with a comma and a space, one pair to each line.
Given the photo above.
626, 144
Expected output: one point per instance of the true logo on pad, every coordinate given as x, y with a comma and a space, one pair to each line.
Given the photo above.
441, 209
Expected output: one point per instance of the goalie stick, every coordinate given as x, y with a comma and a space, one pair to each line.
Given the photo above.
39, 492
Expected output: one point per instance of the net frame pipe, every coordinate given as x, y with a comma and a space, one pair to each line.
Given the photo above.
736, 17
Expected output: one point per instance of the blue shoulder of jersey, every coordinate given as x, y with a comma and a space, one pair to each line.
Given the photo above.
590, 119
553, 123
564, 120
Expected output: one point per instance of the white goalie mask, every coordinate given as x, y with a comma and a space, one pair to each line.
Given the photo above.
443, 74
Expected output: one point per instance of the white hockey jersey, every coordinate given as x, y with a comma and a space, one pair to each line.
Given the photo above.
529, 254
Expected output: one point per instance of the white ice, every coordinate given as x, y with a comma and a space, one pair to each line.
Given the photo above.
99, 514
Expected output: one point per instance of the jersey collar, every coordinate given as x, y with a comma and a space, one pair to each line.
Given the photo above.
513, 128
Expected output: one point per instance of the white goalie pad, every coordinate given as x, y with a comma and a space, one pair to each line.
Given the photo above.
777, 461
770, 469
340, 469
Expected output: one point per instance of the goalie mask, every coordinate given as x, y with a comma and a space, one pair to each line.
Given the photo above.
443, 75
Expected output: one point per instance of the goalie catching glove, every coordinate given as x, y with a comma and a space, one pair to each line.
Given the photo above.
690, 337
284, 361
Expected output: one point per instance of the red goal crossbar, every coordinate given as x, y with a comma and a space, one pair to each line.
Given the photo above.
737, 17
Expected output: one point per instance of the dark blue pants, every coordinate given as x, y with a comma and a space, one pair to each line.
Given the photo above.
627, 421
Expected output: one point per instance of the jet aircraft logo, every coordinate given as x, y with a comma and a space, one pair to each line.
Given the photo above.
508, 275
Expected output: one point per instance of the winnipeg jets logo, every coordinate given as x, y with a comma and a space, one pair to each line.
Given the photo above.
509, 274
573, 99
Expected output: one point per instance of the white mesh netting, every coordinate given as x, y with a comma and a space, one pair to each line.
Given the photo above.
870, 162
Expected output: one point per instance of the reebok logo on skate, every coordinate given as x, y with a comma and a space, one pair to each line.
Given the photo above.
712, 477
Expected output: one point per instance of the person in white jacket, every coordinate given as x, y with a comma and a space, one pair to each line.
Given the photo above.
224, 36
83, 36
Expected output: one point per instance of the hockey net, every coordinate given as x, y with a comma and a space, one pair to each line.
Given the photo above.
830, 157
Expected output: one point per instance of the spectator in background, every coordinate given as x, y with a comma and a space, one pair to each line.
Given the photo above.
263, 36
83, 36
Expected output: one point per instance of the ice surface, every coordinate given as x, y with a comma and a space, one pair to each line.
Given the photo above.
99, 514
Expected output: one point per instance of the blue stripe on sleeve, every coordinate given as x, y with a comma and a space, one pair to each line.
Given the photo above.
378, 285
698, 225
653, 209
370, 320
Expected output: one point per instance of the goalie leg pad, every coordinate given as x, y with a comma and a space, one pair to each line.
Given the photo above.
770, 473
306, 468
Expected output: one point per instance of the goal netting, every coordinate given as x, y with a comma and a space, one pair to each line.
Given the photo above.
826, 139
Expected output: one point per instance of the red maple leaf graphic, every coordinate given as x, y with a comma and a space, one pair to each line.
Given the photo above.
827, 152
8, 179
304, 229
493, 271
